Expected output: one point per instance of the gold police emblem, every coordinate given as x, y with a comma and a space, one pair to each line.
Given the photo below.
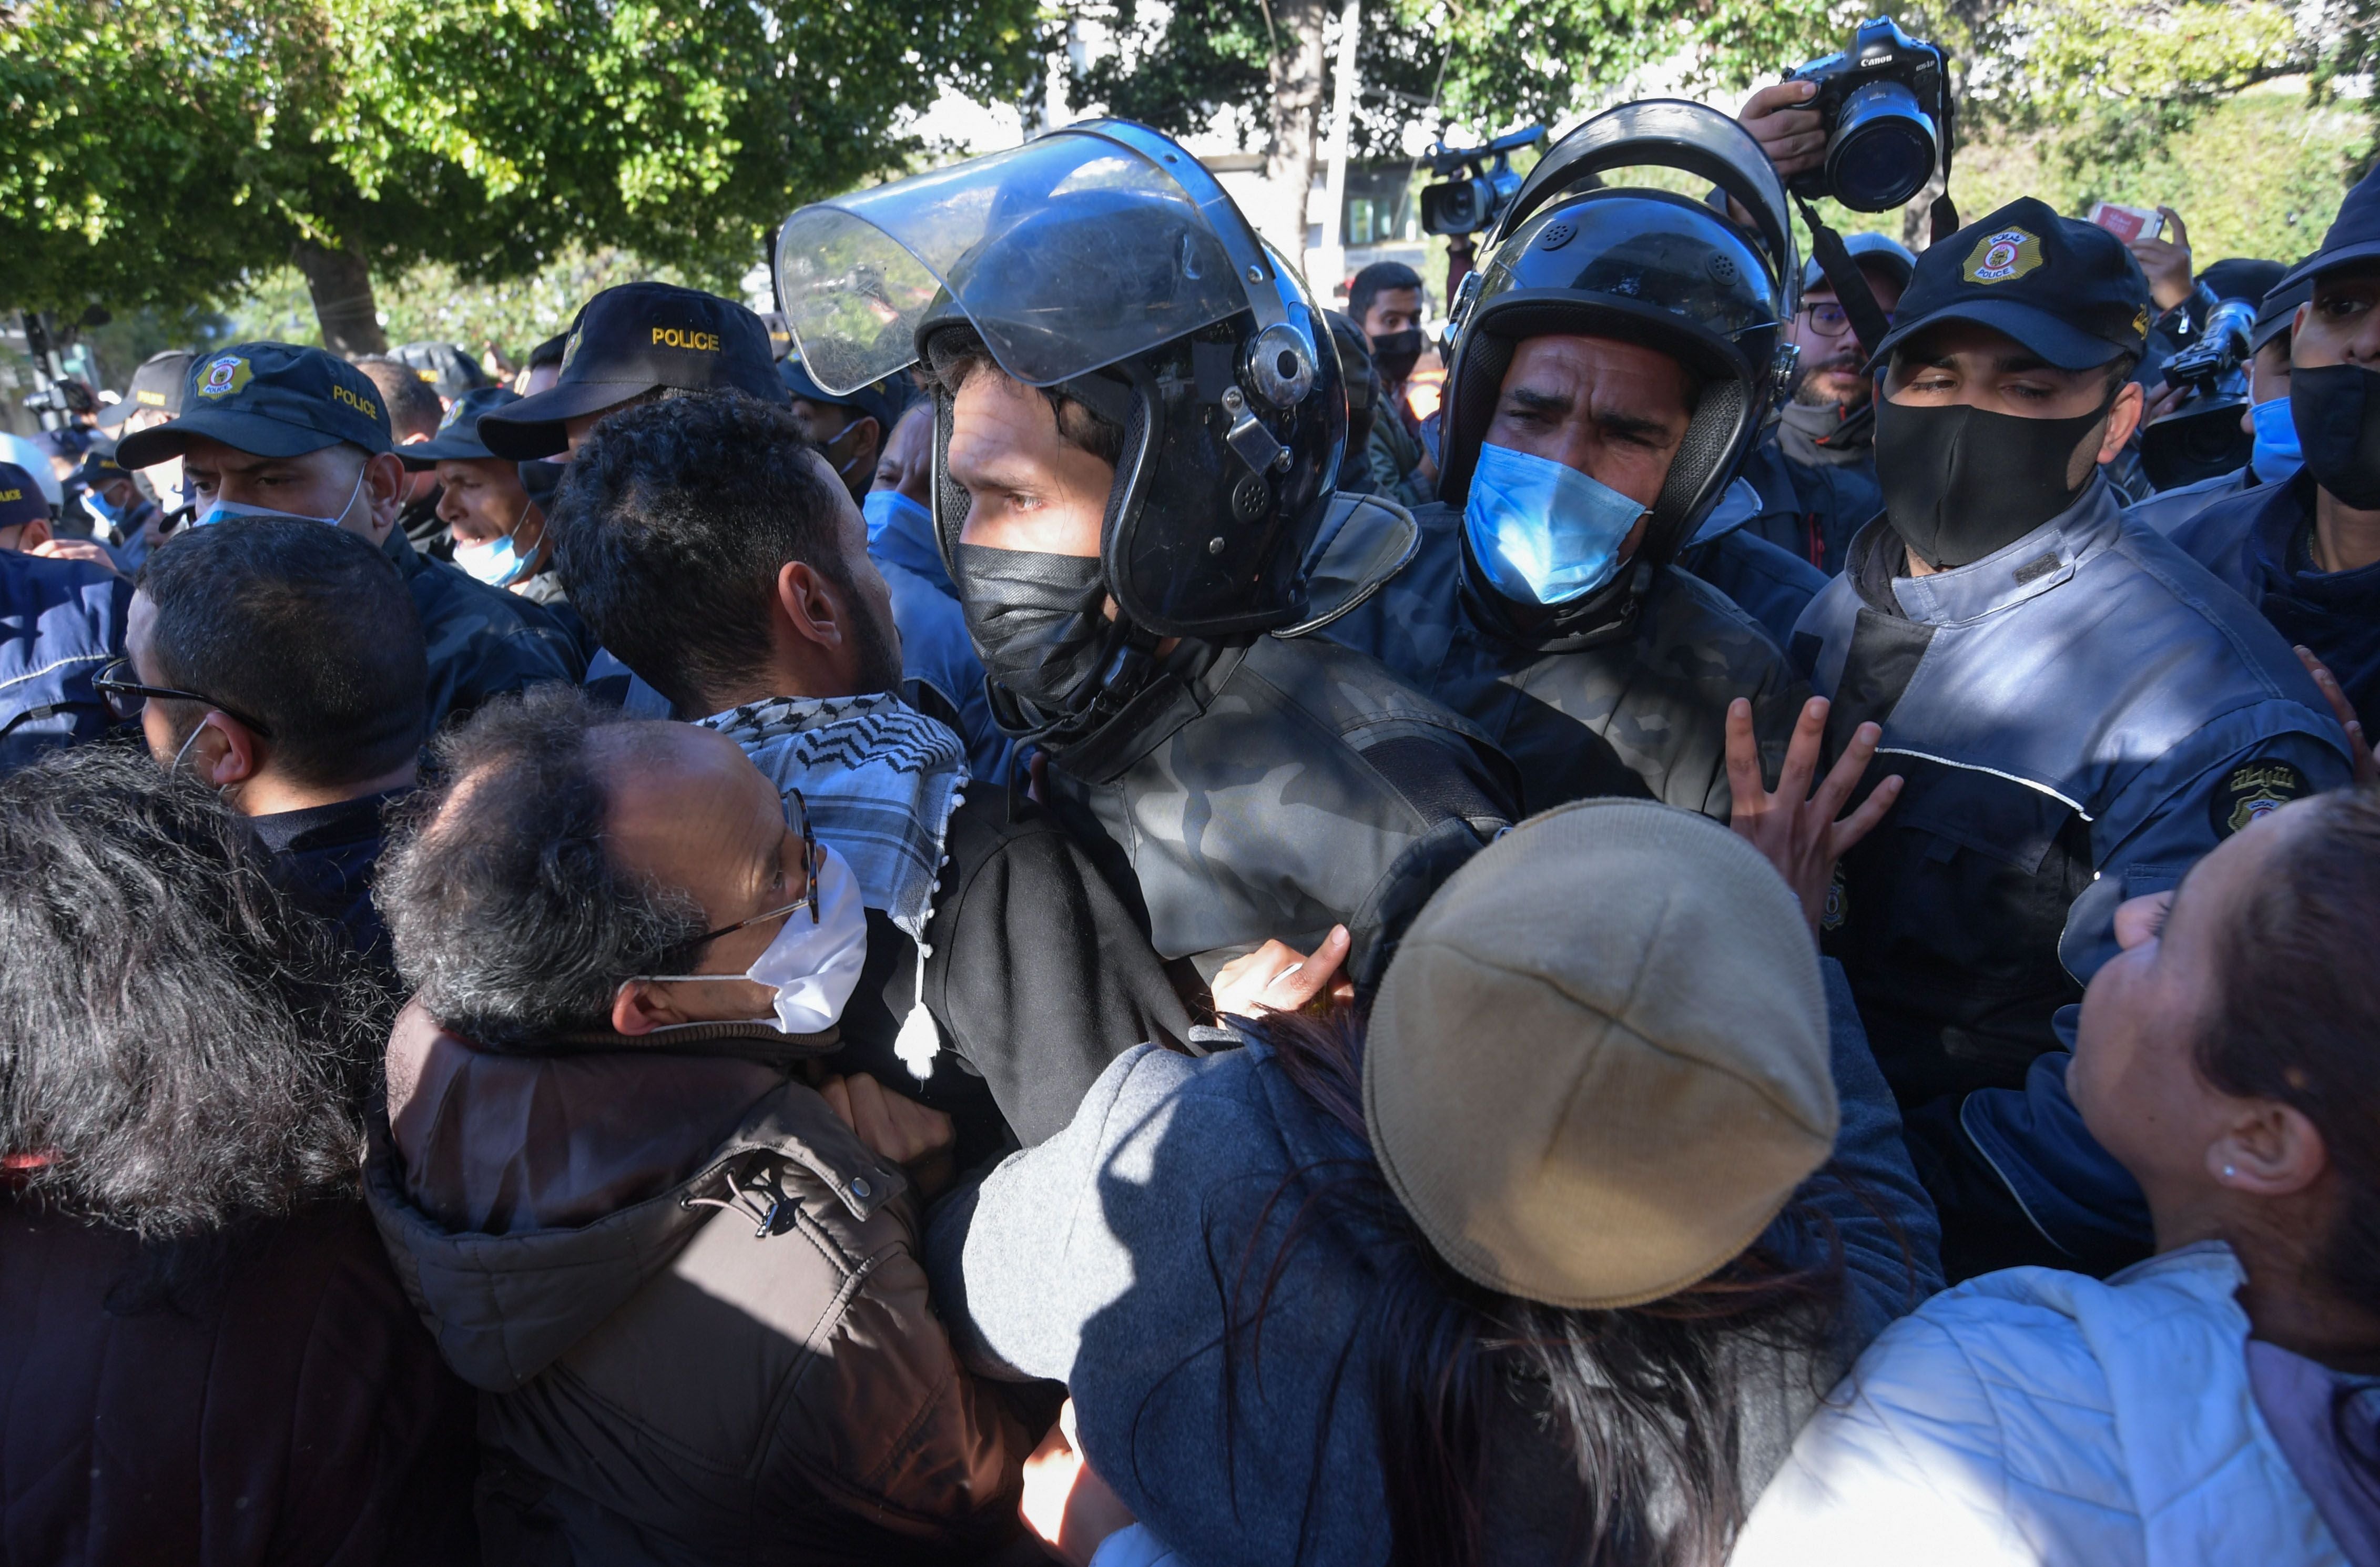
2004, 255
2252, 790
223, 376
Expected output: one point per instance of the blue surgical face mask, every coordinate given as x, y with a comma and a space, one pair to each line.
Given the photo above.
2277, 453
498, 562
225, 511
1544, 532
883, 508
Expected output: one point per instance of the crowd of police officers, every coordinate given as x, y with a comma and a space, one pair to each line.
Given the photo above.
1671, 493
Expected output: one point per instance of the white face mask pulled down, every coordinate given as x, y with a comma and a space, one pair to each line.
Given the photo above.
812, 968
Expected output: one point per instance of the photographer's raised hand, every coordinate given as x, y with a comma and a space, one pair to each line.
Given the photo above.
1795, 827
1794, 137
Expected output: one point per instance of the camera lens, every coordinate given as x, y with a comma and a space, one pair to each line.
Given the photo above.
1883, 150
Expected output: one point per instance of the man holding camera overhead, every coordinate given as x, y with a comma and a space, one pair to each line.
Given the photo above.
2077, 710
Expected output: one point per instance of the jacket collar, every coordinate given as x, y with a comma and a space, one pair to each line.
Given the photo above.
2033, 566
410, 561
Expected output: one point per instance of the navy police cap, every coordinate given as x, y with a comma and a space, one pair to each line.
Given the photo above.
458, 434
268, 399
156, 388
882, 401
631, 340
2354, 235
21, 500
2066, 289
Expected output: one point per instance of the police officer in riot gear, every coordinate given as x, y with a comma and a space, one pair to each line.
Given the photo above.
2306, 548
1611, 365
1140, 418
2077, 710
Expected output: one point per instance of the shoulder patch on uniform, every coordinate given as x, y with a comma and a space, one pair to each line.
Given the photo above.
2253, 789
1838, 906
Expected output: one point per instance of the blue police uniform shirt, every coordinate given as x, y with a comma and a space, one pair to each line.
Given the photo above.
2258, 542
61, 622
1810, 510
1771, 585
938, 658
2077, 717
2170, 509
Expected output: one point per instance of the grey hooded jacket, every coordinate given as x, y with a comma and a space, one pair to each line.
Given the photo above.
692, 1304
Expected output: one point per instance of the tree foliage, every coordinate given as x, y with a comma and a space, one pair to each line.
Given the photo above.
152, 152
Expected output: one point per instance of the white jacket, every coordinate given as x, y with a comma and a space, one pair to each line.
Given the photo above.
2036, 1416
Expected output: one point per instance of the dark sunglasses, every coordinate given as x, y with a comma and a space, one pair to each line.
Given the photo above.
127, 696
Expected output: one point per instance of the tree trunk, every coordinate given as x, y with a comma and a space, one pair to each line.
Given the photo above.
343, 307
1297, 68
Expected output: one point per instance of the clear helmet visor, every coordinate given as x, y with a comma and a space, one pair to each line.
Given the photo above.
1067, 254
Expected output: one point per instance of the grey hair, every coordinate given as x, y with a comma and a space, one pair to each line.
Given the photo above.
509, 916
182, 1047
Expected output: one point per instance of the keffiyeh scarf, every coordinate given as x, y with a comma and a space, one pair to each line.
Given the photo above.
880, 778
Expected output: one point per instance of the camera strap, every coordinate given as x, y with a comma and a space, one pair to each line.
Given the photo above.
1851, 292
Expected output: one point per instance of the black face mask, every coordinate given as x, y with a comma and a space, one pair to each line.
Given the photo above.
2336, 410
1039, 620
1961, 482
1394, 354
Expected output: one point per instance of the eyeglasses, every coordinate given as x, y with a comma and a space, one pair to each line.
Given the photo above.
1829, 319
811, 861
127, 696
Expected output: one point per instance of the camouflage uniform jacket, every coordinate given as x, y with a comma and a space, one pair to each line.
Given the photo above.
1644, 713
482, 640
1277, 788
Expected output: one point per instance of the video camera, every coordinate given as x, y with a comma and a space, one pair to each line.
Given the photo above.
2203, 436
1472, 205
58, 398
1885, 103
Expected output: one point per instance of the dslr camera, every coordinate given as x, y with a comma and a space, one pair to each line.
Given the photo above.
1473, 204
1885, 103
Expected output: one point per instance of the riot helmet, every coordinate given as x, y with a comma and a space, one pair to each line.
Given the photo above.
1103, 262
1574, 255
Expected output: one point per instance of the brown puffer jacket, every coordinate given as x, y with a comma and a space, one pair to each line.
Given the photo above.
692, 1301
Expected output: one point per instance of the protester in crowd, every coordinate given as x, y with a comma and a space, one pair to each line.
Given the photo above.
272, 429
1233, 784
635, 343
2220, 1402
2306, 550
941, 675
127, 523
1546, 603
850, 430
1816, 470
1385, 300
585, 1125
2078, 714
414, 414
1366, 399
498, 531
61, 622
208, 1358
713, 549
313, 743
1545, 1259
2275, 456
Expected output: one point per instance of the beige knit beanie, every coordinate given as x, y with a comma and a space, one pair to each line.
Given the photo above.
1597, 1065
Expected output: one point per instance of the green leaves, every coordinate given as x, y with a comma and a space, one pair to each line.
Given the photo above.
157, 151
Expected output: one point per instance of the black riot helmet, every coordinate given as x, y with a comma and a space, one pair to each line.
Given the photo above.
1574, 255
1103, 263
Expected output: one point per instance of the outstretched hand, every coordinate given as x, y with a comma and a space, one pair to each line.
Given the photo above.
1795, 827
1278, 978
